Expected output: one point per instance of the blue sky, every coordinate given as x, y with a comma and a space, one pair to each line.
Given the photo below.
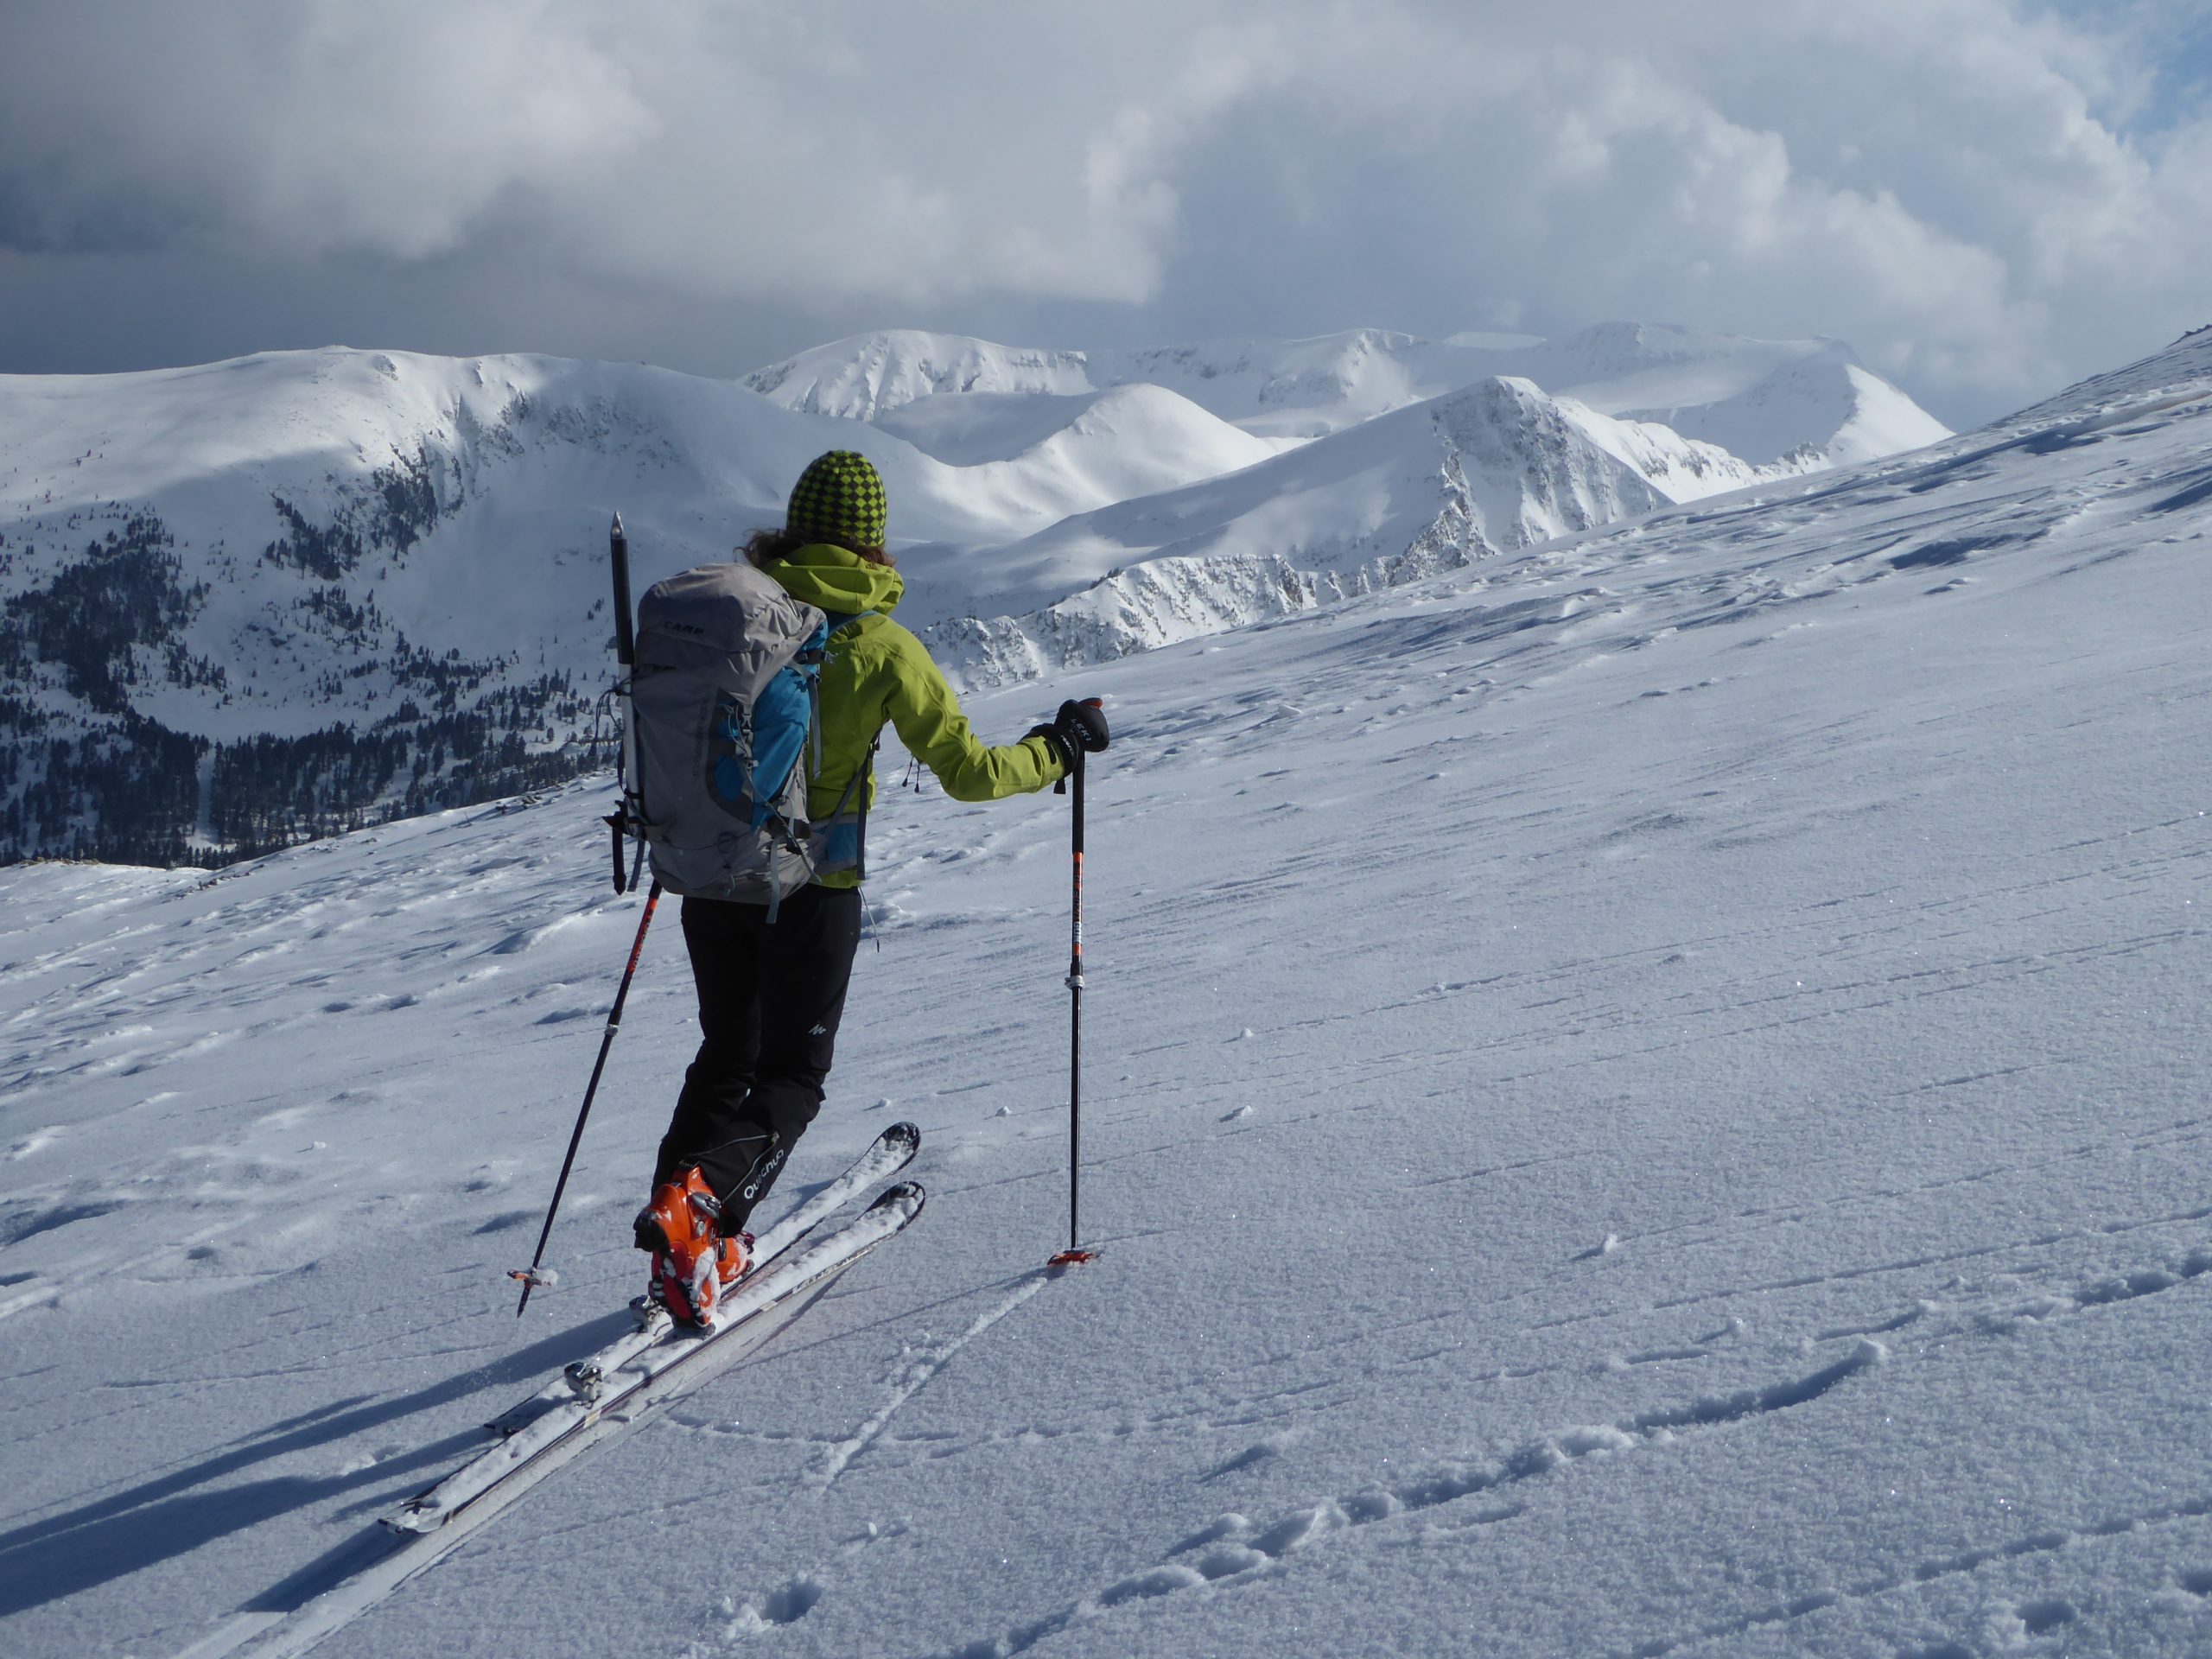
2170, 40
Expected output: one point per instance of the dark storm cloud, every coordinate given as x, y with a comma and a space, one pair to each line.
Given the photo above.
1985, 196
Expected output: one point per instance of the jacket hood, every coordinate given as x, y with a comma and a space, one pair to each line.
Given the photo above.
832, 579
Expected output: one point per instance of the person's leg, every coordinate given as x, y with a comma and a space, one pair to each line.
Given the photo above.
805, 963
725, 941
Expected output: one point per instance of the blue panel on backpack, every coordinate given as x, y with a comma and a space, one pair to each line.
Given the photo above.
730, 781
840, 848
780, 724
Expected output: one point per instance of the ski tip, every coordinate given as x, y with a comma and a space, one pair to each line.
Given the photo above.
901, 1195
902, 1134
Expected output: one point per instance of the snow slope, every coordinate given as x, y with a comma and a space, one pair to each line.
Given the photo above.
1645, 1097
1496, 467
1099, 447
1764, 400
867, 375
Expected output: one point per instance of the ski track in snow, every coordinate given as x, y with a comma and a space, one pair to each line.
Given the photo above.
1231, 1550
1236, 1551
916, 1369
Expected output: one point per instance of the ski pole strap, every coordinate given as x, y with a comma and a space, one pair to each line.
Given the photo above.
868, 789
614, 823
1075, 954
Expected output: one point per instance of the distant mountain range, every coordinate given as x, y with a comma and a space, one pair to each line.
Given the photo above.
1761, 399
254, 601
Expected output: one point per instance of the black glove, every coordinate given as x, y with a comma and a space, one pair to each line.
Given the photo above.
1078, 729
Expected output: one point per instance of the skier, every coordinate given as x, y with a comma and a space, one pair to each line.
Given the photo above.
772, 992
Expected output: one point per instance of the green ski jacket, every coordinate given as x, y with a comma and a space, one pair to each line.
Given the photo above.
874, 672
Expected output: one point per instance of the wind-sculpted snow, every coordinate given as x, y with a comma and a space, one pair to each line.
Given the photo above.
1642, 1097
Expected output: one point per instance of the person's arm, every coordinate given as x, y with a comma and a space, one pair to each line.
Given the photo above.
927, 718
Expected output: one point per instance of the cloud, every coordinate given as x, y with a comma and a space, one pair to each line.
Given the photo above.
1984, 195
298, 129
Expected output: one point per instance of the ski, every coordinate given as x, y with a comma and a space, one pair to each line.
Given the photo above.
889, 1153
620, 1396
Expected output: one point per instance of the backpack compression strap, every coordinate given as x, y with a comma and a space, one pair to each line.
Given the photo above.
841, 816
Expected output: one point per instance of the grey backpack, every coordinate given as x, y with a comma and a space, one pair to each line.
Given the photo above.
724, 703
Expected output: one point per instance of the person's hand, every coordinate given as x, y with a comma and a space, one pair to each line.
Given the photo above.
1079, 729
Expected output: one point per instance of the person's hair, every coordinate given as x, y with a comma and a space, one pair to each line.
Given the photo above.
765, 546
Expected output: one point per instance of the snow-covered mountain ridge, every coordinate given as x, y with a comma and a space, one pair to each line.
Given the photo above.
1644, 1098
1491, 470
1774, 399
271, 597
251, 601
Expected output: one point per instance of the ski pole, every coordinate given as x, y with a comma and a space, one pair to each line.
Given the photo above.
1075, 1253
531, 1277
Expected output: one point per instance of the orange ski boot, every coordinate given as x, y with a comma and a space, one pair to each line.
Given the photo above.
691, 1260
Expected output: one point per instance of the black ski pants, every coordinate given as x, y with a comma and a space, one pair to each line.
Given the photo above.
770, 999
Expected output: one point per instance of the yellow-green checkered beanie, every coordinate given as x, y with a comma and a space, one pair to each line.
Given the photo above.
839, 499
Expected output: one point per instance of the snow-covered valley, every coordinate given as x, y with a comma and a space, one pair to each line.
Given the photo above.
249, 602
1645, 1096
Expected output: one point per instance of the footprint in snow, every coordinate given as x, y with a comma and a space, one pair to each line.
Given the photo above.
785, 1605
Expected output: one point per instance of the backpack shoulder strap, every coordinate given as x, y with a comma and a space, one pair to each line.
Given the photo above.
840, 620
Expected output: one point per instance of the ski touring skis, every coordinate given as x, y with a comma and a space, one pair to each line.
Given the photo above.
595, 1401
889, 1153
616, 1396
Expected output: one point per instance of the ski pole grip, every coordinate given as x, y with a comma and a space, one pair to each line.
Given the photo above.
614, 824
1086, 723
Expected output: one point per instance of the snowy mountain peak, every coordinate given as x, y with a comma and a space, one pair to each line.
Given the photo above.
867, 375
1492, 467
1620, 346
